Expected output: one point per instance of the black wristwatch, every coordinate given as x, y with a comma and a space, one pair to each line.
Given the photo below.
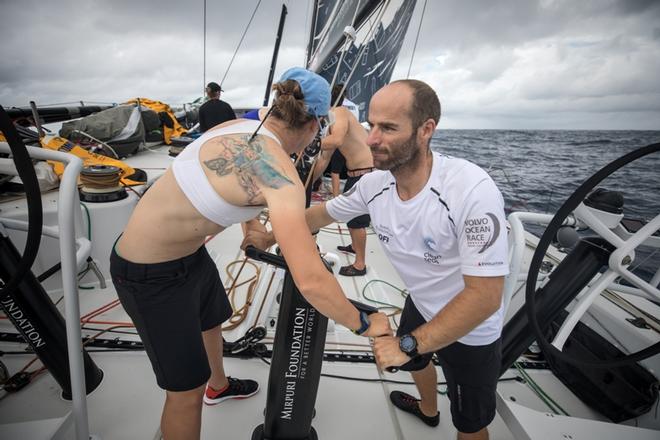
364, 324
408, 345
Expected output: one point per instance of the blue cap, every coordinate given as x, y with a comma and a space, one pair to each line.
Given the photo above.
315, 88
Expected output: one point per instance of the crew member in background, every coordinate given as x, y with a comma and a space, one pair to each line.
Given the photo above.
349, 138
214, 111
338, 161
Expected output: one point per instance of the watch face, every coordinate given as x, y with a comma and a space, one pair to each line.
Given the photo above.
408, 343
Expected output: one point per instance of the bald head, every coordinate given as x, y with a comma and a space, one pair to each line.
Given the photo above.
421, 101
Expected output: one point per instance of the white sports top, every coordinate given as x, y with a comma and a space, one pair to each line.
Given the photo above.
454, 226
193, 182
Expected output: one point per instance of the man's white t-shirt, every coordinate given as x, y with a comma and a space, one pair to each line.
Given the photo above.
454, 226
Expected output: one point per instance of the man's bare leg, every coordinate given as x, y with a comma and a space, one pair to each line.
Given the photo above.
479, 435
359, 243
213, 345
182, 414
426, 381
335, 184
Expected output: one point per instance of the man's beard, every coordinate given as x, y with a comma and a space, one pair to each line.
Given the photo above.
398, 155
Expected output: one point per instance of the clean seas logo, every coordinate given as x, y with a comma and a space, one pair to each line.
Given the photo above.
431, 257
482, 231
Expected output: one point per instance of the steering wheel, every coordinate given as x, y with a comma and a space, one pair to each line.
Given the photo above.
618, 261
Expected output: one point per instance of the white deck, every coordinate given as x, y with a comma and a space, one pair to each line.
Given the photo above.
127, 404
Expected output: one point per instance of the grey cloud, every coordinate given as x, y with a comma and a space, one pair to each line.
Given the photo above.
638, 6
497, 64
463, 25
99, 50
656, 33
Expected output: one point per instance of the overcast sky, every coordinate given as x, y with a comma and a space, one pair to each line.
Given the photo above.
546, 64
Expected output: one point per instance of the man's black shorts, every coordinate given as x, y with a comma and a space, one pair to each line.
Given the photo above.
363, 220
471, 373
171, 304
337, 163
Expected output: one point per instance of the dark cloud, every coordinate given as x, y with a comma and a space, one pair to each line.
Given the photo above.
505, 63
518, 57
109, 51
638, 6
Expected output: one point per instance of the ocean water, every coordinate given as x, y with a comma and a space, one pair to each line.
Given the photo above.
537, 170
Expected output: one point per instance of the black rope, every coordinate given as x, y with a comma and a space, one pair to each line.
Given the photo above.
261, 123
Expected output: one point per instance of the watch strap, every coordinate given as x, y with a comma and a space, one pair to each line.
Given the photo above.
411, 353
364, 324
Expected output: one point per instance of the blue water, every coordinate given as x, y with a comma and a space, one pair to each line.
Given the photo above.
537, 170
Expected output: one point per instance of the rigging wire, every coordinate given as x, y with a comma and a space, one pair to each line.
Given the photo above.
363, 45
239, 44
419, 28
348, 40
204, 69
72, 102
307, 12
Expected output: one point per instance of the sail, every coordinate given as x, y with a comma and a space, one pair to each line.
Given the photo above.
377, 55
330, 19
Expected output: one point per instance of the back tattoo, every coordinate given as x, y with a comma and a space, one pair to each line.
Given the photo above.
249, 161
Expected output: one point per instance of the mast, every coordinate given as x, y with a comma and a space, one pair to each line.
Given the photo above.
276, 50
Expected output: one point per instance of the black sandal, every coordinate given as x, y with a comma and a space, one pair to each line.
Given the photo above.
348, 249
351, 271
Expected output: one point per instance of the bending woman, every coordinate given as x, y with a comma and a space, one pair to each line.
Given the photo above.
168, 283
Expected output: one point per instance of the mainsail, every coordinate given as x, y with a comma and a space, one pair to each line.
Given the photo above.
373, 60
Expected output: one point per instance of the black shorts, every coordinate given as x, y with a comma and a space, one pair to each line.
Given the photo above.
171, 304
471, 372
337, 162
363, 220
